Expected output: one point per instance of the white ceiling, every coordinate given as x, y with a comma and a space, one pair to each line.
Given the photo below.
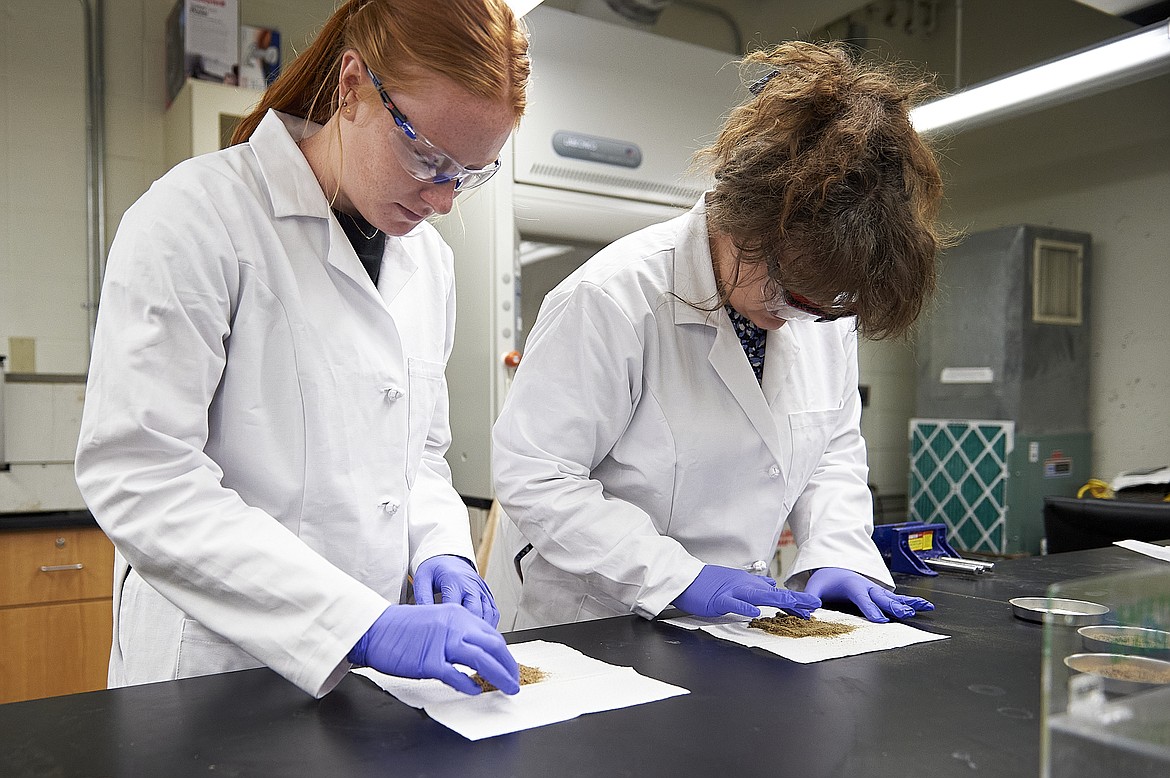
808, 15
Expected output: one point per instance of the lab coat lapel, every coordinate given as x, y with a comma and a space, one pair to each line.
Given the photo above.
398, 265
295, 192
694, 281
781, 388
345, 260
779, 357
729, 361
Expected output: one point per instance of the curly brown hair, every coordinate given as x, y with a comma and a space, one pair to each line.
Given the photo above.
821, 176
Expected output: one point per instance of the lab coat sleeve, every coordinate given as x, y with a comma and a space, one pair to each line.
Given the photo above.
832, 520
571, 400
159, 353
438, 519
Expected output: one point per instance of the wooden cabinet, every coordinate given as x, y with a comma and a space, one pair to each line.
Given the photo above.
55, 612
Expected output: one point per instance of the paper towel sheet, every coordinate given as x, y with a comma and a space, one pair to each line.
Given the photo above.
867, 636
575, 684
1149, 549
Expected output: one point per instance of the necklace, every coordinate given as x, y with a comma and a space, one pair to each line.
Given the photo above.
357, 226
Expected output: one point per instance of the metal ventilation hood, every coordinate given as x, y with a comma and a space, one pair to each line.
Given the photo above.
619, 112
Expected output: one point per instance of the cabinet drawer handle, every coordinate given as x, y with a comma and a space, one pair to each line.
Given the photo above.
59, 568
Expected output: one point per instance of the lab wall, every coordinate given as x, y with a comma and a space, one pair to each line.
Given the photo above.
44, 318
43, 277
135, 84
1101, 165
43, 233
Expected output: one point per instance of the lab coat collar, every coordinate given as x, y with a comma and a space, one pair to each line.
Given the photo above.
295, 191
694, 276
291, 183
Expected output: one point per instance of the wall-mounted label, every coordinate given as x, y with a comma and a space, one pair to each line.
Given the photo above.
967, 375
1057, 465
593, 149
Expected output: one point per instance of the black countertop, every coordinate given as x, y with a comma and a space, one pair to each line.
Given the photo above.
46, 519
963, 706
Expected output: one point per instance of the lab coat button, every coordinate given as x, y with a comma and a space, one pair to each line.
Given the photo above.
774, 471
390, 506
392, 392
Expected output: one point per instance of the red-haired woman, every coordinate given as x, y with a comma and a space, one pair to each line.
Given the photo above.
266, 414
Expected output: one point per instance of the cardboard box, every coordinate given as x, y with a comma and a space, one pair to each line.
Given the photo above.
259, 56
202, 41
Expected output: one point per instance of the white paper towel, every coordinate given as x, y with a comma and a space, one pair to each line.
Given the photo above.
1149, 549
575, 684
867, 636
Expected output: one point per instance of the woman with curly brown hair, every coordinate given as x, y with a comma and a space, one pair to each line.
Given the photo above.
266, 415
693, 386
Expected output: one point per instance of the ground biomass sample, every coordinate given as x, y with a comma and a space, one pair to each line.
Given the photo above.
527, 675
795, 627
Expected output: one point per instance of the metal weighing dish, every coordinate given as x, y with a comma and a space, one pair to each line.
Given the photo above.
1056, 610
1122, 674
1126, 640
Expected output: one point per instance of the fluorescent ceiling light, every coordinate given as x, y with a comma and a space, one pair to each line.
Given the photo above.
1115, 7
521, 7
1123, 60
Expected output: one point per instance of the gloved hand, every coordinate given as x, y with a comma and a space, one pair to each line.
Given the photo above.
426, 641
457, 582
719, 590
835, 583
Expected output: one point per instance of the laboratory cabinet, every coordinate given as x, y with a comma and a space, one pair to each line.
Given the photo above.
203, 116
55, 611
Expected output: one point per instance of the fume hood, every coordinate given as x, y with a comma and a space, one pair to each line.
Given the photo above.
606, 147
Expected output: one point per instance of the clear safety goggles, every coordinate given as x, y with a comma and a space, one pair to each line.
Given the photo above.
793, 307
424, 160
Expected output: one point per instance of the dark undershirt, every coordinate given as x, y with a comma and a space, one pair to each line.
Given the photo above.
369, 249
752, 338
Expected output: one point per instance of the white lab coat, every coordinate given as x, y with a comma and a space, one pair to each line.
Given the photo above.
264, 430
636, 445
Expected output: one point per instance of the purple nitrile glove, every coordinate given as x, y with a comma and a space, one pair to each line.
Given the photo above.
457, 582
835, 583
427, 641
719, 590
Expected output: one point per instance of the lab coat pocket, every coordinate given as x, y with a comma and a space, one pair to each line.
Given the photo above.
203, 652
593, 608
811, 432
426, 383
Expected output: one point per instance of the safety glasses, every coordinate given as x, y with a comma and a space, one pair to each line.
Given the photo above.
424, 160
793, 307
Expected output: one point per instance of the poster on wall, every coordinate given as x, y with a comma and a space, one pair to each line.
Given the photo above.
202, 41
259, 56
